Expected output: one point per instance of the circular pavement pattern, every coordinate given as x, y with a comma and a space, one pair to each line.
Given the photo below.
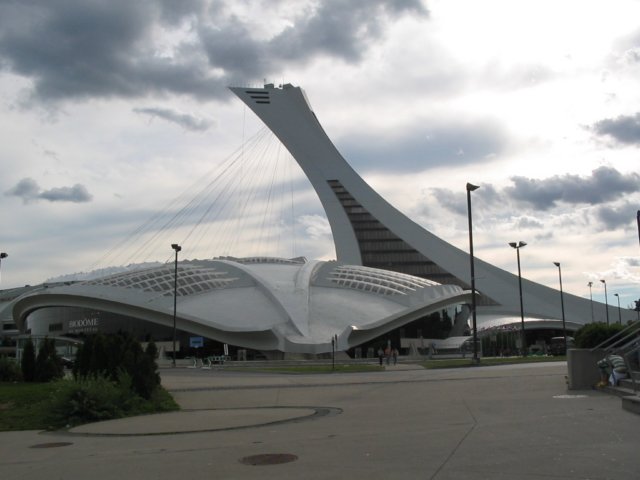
191, 421
269, 459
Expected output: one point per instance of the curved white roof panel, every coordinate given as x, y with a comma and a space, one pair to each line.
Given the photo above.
267, 304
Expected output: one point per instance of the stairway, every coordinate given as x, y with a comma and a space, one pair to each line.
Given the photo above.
628, 392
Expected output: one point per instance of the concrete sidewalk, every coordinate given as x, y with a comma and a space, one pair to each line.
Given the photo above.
515, 422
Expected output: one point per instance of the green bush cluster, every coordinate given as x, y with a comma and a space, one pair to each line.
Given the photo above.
89, 400
115, 357
98, 398
113, 378
9, 370
593, 334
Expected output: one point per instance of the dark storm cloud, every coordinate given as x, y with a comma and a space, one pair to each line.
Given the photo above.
624, 129
484, 199
605, 184
532, 198
616, 217
525, 223
29, 191
79, 49
82, 49
186, 121
427, 147
341, 28
453, 201
173, 12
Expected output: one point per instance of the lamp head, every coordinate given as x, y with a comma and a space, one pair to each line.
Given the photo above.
590, 284
176, 247
603, 282
513, 244
3, 255
557, 264
471, 187
616, 295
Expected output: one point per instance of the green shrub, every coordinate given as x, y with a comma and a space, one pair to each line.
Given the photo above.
593, 334
89, 400
9, 370
28, 362
98, 398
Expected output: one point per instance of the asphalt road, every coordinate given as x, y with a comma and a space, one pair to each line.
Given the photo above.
504, 422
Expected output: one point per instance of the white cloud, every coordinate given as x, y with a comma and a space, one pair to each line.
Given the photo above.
402, 88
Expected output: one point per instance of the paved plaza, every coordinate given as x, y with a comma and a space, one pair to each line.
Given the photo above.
505, 422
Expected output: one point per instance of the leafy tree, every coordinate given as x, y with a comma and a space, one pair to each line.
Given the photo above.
28, 362
115, 357
48, 364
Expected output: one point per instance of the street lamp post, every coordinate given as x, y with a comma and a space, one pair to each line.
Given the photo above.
3, 255
471, 188
564, 327
518, 246
606, 300
619, 313
590, 284
177, 248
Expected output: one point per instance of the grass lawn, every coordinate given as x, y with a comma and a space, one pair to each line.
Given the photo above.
26, 406
489, 361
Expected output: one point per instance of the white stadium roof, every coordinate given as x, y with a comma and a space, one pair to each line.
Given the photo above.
290, 305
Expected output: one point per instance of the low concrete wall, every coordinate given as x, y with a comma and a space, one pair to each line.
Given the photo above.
583, 372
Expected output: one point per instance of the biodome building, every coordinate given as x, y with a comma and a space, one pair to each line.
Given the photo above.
389, 272
265, 304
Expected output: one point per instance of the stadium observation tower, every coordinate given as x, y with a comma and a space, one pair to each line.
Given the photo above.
368, 231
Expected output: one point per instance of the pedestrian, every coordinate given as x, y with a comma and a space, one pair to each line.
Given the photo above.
380, 354
387, 354
394, 352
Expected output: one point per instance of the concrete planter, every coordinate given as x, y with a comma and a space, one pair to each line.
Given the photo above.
583, 372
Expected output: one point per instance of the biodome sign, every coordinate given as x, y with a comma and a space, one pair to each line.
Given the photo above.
84, 325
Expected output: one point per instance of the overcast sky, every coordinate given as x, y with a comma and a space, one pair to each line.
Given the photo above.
114, 114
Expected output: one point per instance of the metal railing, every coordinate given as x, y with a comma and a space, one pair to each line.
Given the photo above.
626, 344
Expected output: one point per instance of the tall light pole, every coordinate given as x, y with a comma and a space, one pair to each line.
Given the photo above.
471, 188
3, 255
518, 246
564, 327
177, 248
619, 313
606, 300
590, 284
